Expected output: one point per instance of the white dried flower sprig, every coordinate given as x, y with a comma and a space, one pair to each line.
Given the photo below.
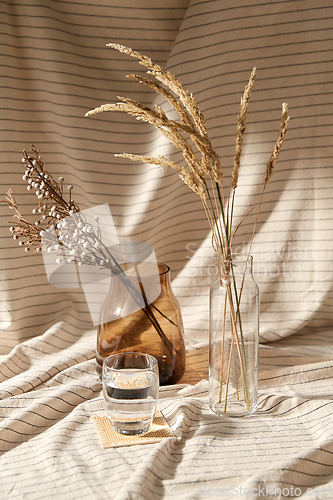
63, 229
60, 226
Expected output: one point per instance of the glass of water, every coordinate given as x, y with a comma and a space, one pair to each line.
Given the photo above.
130, 389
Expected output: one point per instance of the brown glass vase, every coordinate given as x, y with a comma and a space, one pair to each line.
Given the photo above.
155, 328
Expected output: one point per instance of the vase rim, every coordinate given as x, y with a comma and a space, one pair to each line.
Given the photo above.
110, 362
159, 269
163, 271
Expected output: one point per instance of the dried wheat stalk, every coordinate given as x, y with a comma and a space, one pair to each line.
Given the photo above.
203, 167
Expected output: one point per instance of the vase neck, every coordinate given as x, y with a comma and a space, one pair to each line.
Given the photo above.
164, 273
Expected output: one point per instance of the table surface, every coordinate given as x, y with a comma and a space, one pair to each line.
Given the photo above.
49, 444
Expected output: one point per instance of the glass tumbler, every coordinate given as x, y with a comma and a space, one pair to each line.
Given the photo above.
130, 389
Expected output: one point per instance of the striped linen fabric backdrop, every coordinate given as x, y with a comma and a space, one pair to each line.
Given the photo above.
55, 67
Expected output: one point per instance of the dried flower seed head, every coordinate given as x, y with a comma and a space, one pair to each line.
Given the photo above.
190, 122
192, 182
159, 160
277, 148
241, 128
57, 214
217, 172
170, 81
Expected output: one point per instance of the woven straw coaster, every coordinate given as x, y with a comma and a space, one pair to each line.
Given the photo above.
111, 439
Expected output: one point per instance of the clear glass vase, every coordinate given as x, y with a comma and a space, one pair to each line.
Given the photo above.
155, 327
234, 339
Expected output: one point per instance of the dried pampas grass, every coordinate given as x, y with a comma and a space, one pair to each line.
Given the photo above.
203, 172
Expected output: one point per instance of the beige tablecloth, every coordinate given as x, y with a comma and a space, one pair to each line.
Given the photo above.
54, 68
